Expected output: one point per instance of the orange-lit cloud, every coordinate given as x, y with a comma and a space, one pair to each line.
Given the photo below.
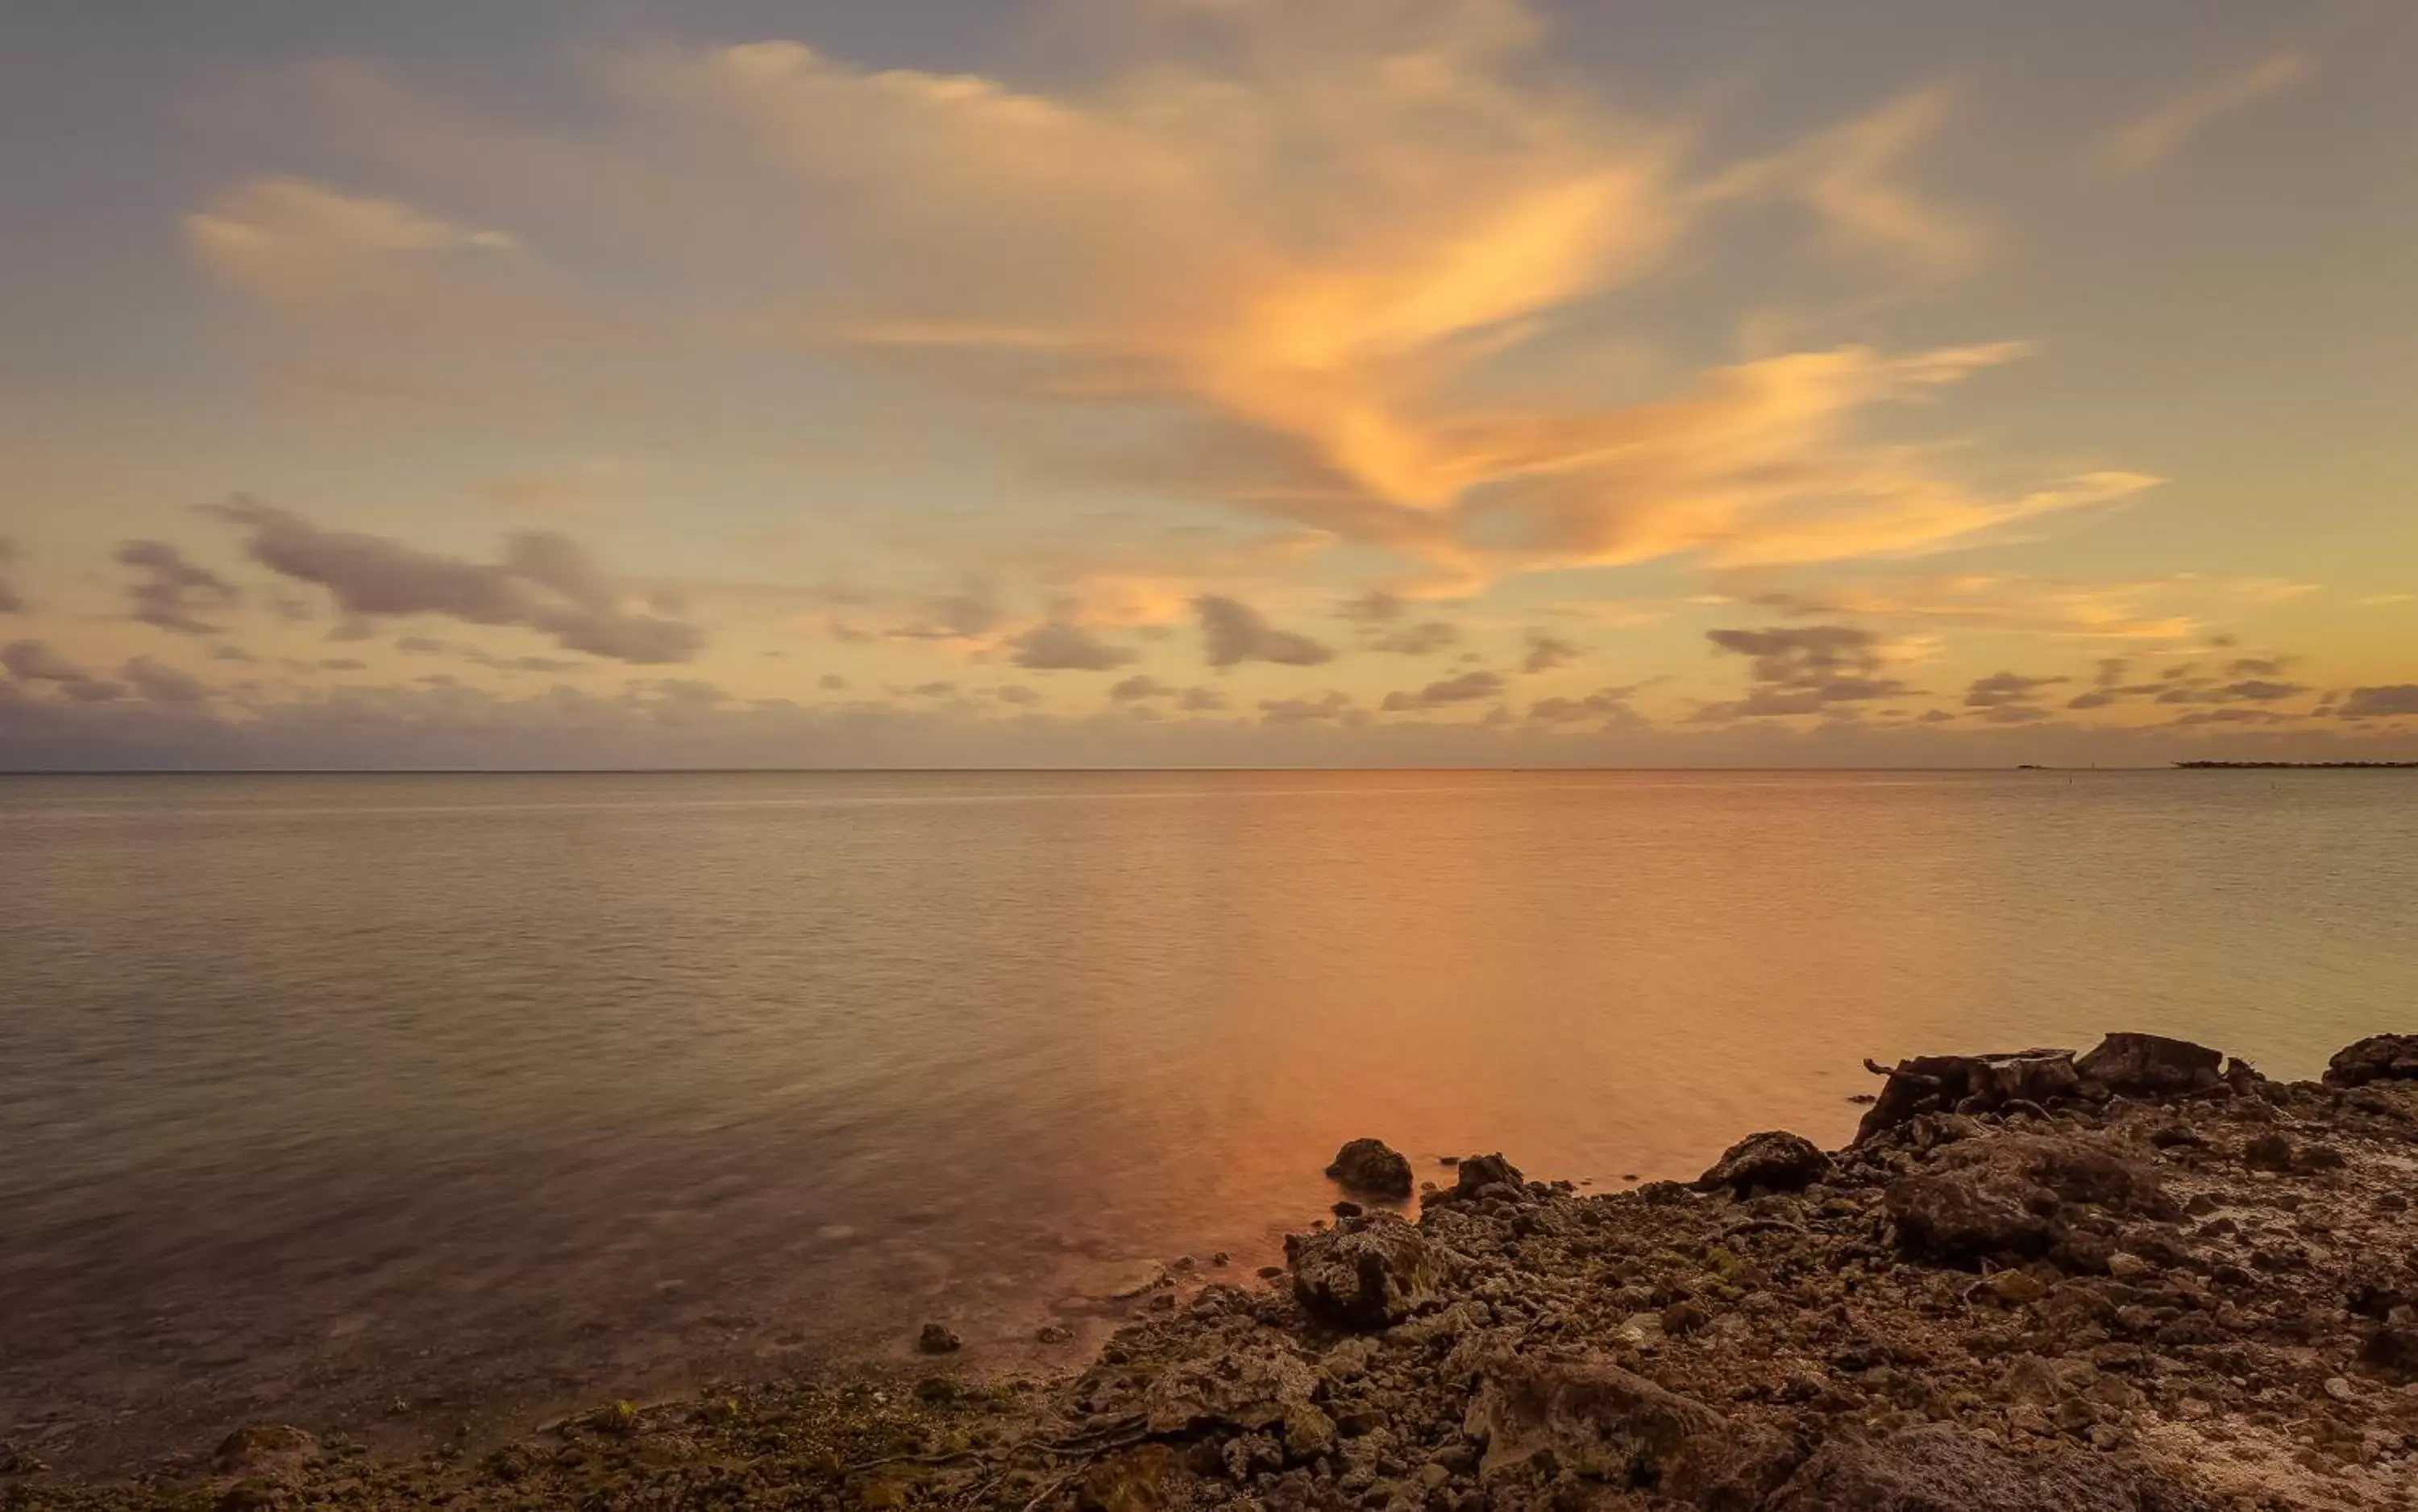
2150, 139
1336, 242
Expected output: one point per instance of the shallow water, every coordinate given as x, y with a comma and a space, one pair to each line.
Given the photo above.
475, 1094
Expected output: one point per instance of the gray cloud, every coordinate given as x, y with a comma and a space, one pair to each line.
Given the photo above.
36, 661
1233, 632
1056, 645
1610, 706
1016, 693
2010, 697
2384, 702
1375, 608
1141, 690
1812, 670
1546, 652
954, 617
2251, 690
10, 602
172, 591
832, 682
1468, 688
1425, 639
547, 583
1140, 686
164, 684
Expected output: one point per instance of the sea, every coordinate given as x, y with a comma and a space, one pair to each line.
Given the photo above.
428, 1105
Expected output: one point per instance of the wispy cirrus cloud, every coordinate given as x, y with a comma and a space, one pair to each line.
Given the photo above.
2156, 135
1330, 236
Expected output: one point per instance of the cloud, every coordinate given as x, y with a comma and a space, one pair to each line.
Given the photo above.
2109, 610
300, 245
1317, 239
1813, 669
1607, 707
965, 616
1056, 645
2152, 138
171, 588
1137, 687
1468, 687
1232, 632
164, 684
1375, 607
1848, 176
2010, 697
9, 601
36, 661
1546, 652
547, 583
1333, 706
1425, 639
2385, 702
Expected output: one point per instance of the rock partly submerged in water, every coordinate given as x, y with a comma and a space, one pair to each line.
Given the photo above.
2039, 1080
1371, 1167
2151, 1065
2377, 1057
1479, 1173
1776, 1161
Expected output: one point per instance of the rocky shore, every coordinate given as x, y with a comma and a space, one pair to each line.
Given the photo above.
2139, 1280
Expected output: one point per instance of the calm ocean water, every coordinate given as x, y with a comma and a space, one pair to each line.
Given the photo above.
409, 1099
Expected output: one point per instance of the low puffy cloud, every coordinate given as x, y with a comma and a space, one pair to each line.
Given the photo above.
1812, 669
1055, 645
1606, 706
2010, 697
1142, 689
163, 684
1425, 638
11, 602
37, 660
2387, 701
170, 592
547, 583
1546, 652
1469, 687
2151, 138
1375, 607
1232, 632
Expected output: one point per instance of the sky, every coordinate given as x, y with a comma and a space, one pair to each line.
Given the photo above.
1206, 382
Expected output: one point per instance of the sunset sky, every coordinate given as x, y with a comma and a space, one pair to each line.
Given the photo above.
913, 382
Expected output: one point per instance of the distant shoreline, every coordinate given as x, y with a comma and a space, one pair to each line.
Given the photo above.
2295, 766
